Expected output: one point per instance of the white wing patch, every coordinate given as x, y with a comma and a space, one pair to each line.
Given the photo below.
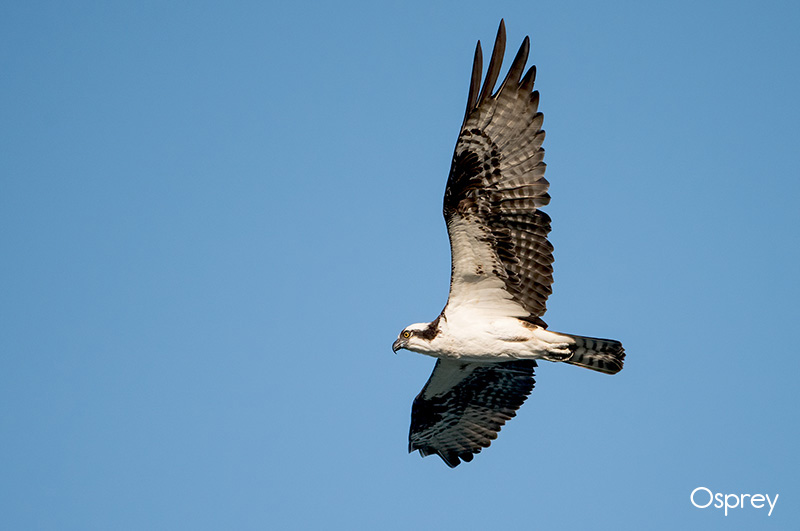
448, 375
477, 278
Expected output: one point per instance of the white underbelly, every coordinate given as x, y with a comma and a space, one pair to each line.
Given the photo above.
494, 340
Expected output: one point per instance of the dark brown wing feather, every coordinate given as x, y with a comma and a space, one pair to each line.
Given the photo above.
497, 185
463, 406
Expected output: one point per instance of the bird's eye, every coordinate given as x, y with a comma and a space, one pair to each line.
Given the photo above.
406, 334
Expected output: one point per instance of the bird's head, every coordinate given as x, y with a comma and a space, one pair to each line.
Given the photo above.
415, 337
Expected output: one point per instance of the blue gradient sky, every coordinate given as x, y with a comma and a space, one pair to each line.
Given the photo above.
215, 219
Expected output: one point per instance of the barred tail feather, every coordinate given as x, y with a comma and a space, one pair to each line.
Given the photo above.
602, 355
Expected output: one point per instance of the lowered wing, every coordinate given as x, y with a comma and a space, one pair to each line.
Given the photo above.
463, 406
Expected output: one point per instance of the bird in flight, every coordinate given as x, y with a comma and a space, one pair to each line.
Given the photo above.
490, 333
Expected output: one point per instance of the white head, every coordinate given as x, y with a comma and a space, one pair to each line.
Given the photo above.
417, 337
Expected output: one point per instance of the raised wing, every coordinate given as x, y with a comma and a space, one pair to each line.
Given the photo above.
498, 235
463, 406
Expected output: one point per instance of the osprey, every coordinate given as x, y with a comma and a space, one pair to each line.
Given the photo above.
490, 333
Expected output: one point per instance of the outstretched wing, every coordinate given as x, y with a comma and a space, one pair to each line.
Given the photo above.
463, 406
498, 235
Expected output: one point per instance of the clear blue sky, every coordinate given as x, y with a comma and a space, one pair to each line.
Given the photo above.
216, 217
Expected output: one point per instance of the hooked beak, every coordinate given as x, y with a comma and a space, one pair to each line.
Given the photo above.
398, 344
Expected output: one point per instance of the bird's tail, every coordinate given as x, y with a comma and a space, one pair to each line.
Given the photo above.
602, 355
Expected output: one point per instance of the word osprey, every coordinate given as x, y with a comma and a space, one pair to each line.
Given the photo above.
491, 331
